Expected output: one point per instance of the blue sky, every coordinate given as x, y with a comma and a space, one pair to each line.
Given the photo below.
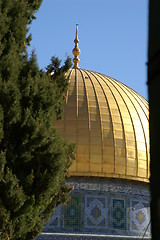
113, 37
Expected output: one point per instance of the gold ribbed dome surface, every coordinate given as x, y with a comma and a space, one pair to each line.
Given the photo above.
108, 122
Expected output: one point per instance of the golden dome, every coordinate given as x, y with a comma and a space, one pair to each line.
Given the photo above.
108, 122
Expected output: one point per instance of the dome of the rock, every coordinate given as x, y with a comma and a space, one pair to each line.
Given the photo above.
108, 122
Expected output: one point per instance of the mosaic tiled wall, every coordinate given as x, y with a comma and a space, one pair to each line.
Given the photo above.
118, 214
54, 221
139, 215
95, 211
72, 212
104, 207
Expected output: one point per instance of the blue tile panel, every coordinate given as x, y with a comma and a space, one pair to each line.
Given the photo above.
139, 216
118, 214
72, 212
104, 207
95, 211
55, 219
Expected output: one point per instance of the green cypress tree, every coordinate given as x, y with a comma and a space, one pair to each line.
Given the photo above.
34, 160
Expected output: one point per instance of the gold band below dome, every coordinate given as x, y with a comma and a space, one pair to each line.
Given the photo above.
76, 50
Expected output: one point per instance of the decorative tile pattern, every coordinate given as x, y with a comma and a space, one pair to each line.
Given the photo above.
118, 214
72, 212
95, 211
110, 185
54, 221
104, 207
139, 216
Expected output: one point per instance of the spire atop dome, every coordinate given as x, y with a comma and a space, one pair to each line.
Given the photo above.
76, 50
76, 31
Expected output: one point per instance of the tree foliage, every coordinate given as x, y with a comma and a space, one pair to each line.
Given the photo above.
33, 159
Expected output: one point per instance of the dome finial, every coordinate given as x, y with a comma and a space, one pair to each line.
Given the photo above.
76, 50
